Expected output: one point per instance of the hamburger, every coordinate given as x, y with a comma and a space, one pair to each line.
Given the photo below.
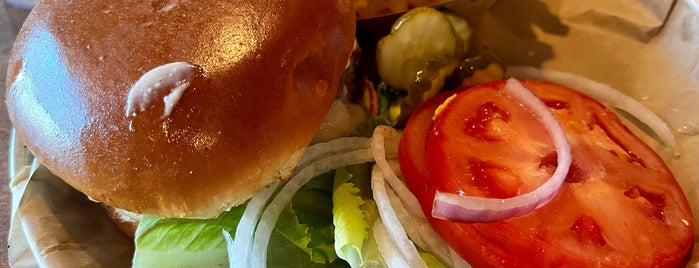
161, 102
133, 102
134, 109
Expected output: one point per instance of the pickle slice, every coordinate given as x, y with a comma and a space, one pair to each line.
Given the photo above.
462, 31
419, 36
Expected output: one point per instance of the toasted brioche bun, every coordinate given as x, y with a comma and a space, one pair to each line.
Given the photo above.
256, 77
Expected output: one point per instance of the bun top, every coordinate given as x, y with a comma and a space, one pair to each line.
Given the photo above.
176, 108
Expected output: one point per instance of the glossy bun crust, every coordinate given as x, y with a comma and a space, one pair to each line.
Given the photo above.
266, 73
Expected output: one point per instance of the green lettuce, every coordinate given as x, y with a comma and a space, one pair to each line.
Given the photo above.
354, 213
303, 236
330, 217
283, 253
200, 243
307, 220
351, 228
184, 242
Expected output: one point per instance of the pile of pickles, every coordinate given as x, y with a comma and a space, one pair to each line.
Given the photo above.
426, 52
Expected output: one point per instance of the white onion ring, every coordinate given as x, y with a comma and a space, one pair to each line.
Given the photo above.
271, 213
605, 94
407, 208
411, 217
378, 149
454, 207
423, 235
240, 248
388, 251
393, 226
335, 146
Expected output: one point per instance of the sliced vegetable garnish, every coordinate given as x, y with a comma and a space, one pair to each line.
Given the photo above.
421, 233
239, 250
616, 185
336, 146
269, 217
390, 253
258, 220
472, 208
423, 49
396, 233
462, 31
378, 148
403, 203
249, 249
419, 36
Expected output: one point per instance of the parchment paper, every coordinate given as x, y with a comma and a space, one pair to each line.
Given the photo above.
53, 225
648, 49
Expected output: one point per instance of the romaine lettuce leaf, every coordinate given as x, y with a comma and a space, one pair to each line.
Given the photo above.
307, 220
354, 212
200, 243
315, 240
184, 242
351, 229
282, 253
330, 216
304, 229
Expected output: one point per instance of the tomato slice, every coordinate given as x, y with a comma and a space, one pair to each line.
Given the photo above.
620, 204
486, 148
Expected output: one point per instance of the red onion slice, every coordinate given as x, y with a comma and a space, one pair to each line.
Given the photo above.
454, 207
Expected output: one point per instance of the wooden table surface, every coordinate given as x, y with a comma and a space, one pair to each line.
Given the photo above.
10, 21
